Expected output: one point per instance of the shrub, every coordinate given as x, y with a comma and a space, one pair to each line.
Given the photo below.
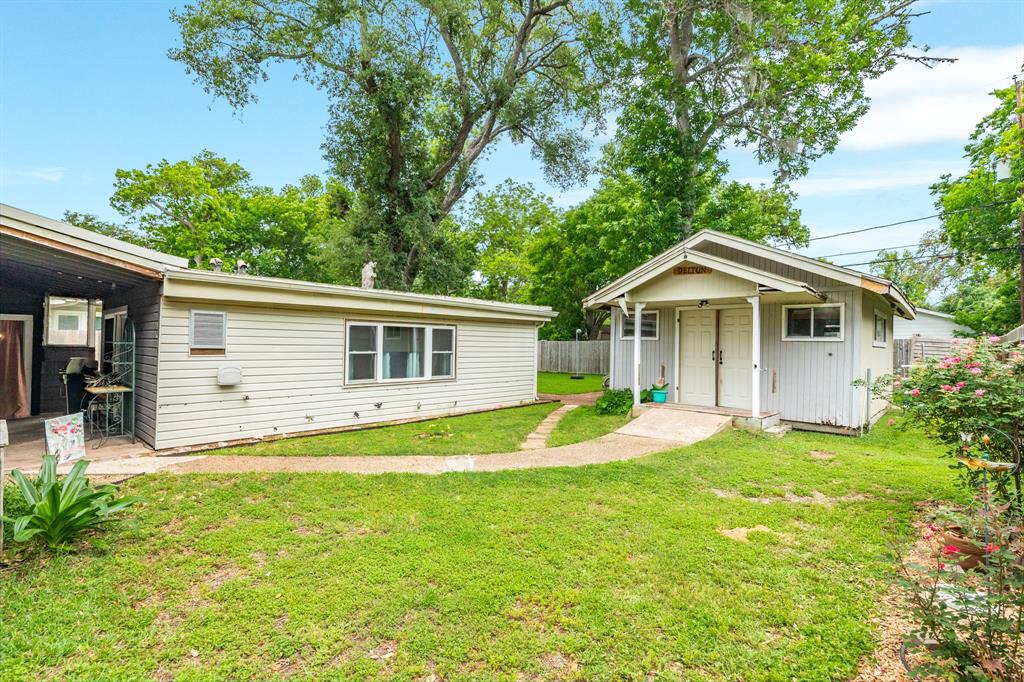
972, 400
60, 510
969, 621
619, 401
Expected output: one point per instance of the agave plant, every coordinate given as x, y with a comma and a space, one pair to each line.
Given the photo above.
62, 509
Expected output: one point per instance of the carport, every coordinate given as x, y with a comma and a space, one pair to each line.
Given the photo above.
69, 298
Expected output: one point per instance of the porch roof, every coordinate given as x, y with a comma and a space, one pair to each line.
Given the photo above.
765, 281
685, 249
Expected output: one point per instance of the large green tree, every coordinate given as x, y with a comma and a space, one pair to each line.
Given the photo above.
784, 79
420, 90
980, 223
208, 207
502, 224
620, 227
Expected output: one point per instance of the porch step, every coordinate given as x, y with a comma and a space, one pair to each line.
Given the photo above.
779, 430
681, 426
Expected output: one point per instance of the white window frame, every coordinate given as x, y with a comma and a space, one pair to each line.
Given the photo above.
887, 332
657, 326
815, 339
192, 331
378, 364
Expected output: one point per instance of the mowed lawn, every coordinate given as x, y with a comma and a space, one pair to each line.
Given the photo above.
609, 572
480, 433
584, 423
560, 383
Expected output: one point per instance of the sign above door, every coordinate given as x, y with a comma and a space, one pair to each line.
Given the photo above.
691, 270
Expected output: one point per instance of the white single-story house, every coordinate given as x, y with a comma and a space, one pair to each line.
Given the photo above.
217, 357
930, 324
755, 331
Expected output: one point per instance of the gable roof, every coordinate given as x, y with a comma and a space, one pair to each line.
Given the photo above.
686, 250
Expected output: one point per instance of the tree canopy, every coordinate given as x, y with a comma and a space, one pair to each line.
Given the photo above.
980, 221
207, 207
420, 90
784, 79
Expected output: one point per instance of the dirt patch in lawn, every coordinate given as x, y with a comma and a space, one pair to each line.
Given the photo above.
740, 534
815, 497
824, 455
559, 666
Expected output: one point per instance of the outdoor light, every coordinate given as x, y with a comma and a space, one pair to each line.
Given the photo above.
703, 303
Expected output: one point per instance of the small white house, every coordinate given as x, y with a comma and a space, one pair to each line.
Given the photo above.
930, 324
755, 331
225, 357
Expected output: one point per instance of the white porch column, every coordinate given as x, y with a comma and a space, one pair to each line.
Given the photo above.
755, 337
637, 310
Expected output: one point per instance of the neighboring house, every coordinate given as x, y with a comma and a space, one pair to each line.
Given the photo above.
223, 357
931, 324
754, 330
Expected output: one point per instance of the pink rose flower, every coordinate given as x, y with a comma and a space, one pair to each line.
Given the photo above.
915, 392
980, 392
993, 339
975, 370
891, 421
950, 550
991, 548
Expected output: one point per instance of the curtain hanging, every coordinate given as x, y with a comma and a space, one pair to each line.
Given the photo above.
13, 382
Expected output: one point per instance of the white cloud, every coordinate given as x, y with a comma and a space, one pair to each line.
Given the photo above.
913, 104
35, 174
876, 177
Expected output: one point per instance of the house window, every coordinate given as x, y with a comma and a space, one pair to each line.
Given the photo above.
442, 360
813, 323
66, 321
208, 333
362, 352
881, 331
648, 326
379, 352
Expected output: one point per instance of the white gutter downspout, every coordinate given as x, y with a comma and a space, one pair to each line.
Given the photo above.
637, 310
755, 336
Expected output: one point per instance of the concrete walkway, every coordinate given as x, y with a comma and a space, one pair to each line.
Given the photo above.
609, 448
538, 438
653, 431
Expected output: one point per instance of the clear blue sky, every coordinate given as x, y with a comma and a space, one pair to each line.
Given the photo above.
86, 88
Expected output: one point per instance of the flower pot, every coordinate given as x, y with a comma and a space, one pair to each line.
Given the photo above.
659, 396
971, 554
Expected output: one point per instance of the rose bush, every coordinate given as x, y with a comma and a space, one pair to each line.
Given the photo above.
972, 400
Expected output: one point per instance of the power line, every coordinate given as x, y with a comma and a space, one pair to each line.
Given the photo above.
913, 220
929, 257
884, 248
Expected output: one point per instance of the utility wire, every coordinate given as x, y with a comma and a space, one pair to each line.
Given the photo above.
930, 257
913, 220
884, 248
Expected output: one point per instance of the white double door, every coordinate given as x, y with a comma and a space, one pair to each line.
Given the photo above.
716, 356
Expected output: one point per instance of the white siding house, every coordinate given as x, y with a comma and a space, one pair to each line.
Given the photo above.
754, 330
223, 357
930, 324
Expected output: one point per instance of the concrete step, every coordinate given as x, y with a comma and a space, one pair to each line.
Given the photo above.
779, 430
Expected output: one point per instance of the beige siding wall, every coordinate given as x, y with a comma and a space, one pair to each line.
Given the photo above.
654, 352
876, 358
809, 381
293, 365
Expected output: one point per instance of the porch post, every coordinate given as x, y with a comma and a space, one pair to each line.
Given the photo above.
637, 310
755, 341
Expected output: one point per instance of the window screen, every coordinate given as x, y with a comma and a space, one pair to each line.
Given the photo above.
404, 349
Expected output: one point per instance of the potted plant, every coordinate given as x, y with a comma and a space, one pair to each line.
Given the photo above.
659, 391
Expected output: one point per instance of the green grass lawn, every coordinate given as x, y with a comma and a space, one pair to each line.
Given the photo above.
584, 423
558, 383
480, 433
608, 572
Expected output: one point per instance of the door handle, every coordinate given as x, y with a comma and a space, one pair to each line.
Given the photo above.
712, 355
720, 357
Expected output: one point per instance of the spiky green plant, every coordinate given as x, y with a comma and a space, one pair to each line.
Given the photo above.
61, 509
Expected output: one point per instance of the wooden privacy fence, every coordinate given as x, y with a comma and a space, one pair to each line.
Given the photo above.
917, 349
586, 357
